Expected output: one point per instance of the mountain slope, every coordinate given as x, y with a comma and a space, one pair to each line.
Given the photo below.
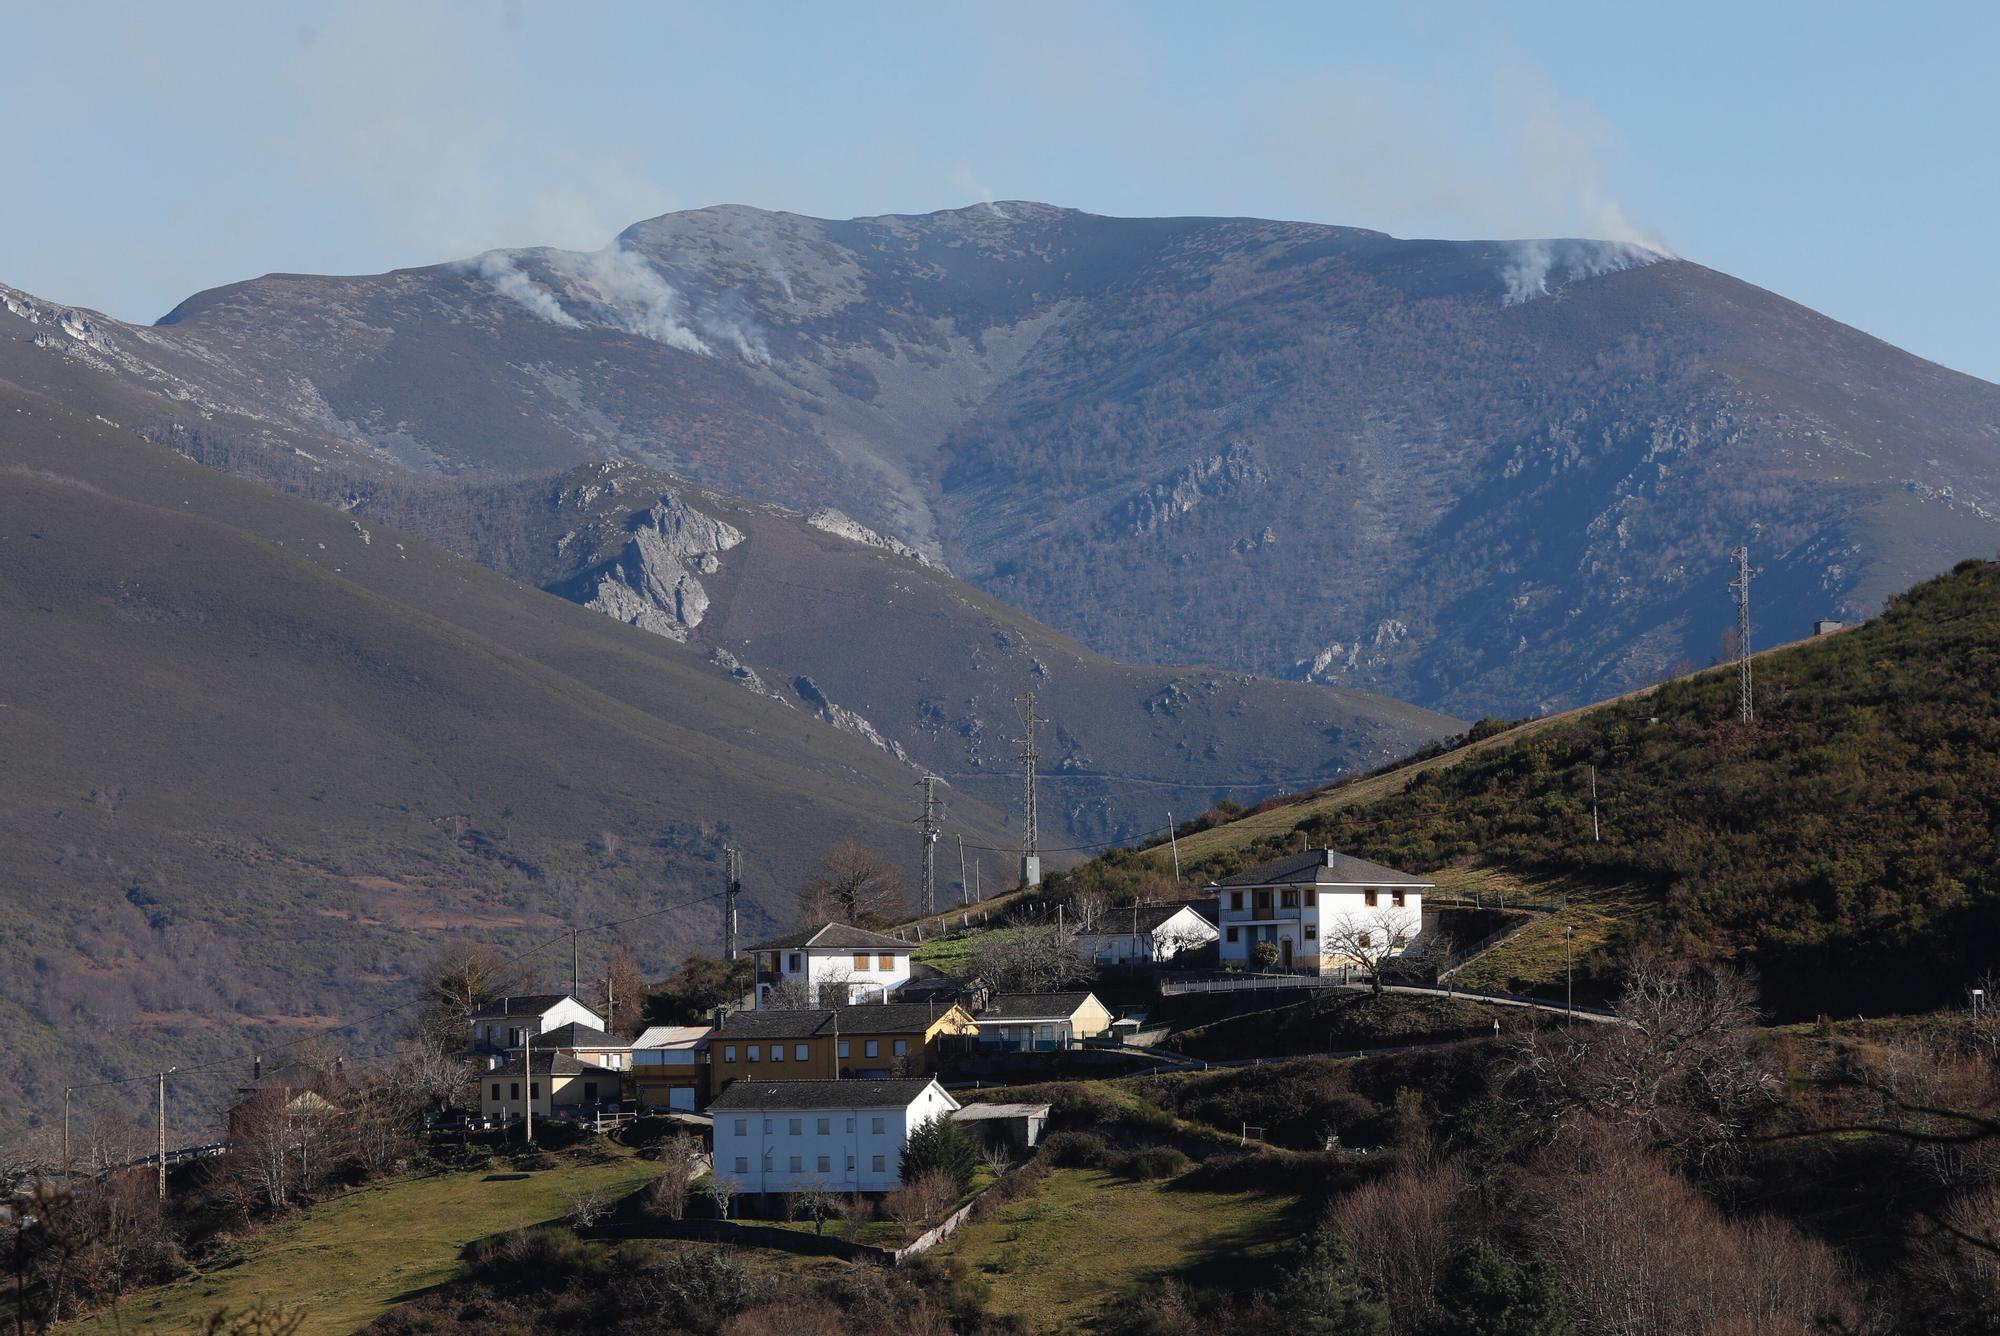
1843, 846
1486, 477
263, 759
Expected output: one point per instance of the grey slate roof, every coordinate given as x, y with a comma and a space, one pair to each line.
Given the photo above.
748, 1094
1321, 867
774, 1025
834, 937
527, 1004
1134, 920
578, 1035
890, 1017
1032, 1006
562, 1064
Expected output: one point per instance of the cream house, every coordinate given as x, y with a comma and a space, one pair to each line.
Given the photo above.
556, 1084
1319, 910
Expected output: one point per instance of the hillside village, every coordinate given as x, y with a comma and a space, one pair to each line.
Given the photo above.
1257, 1040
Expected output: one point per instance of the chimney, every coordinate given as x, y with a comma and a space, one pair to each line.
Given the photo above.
257, 1068
1326, 859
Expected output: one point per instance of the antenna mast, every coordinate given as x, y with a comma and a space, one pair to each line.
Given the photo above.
1745, 706
729, 893
1031, 852
931, 830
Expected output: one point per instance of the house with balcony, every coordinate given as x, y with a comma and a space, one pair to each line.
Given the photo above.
1307, 905
506, 1023
831, 965
844, 1136
1041, 1022
670, 1068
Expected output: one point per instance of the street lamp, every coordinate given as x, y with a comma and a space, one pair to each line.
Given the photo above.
1569, 973
1978, 1002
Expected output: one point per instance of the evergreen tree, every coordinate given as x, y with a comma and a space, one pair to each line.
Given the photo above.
1488, 1293
1330, 1296
942, 1144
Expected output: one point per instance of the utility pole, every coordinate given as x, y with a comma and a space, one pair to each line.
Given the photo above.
1569, 974
964, 886
66, 1090
1595, 837
729, 892
163, 1130
1174, 843
930, 830
1031, 854
528, 1085
1745, 708
573, 980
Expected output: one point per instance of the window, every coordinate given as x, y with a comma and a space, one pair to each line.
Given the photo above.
792, 963
886, 963
843, 1048
823, 1126
1312, 897
1367, 939
743, 1127
1288, 899
756, 1052
1371, 898
729, 1052
513, 1090
876, 1164
743, 1164
850, 1164
1396, 898
795, 1126
1399, 941
1312, 932
860, 962
1232, 934
777, 1052
496, 1090
1236, 899
799, 1052
872, 1049
534, 1090
767, 1127
795, 1164
876, 1126
850, 1124
825, 1163
901, 1047
766, 1166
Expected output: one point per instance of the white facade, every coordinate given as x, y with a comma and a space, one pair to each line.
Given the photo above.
1184, 931
786, 1149
1319, 927
498, 1032
820, 976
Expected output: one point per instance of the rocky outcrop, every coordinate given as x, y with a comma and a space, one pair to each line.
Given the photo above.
654, 583
845, 719
828, 520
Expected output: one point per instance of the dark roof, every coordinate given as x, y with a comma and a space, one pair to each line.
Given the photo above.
890, 1017
578, 1035
834, 937
1031, 1006
1135, 919
748, 1094
940, 989
1321, 867
527, 1004
562, 1064
774, 1025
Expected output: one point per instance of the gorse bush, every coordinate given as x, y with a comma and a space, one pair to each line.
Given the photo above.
1075, 1150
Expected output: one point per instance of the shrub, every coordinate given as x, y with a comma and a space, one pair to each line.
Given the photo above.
1149, 1163
1488, 1293
1075, 1150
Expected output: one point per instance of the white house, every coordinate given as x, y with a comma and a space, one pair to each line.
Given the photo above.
846, 1136
1144, 935
831, 965
1320, 909
506, 1023
586, 1044
1041, 1022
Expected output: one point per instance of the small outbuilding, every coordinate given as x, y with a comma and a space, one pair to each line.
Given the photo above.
1019, 1127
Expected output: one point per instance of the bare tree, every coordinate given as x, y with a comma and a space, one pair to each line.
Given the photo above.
830, 988
853, 884
1678, 1070
1030, 960
721, 1191
678, 1168
1088, 908
426, 1074
1369, 940
815, 1202
463, 977
624, 994
1402, 1231
585, 1206
922, 1202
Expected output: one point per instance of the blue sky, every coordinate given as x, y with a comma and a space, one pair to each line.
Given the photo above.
1847, 156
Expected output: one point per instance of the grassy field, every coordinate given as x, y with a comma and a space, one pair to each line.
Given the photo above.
346, 1262
1065, 1257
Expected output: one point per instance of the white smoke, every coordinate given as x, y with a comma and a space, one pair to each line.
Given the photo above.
1533, 264
629, 294
505, 277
